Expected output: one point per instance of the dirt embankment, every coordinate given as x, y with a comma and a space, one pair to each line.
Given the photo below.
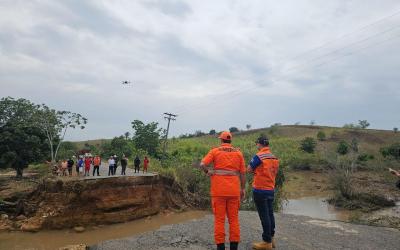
56, 203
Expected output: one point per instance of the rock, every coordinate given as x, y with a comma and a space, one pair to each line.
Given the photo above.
27, 227
4, 217
79, 229
74, 247
21, 217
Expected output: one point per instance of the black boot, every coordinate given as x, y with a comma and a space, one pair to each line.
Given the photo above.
234, 245
221, 246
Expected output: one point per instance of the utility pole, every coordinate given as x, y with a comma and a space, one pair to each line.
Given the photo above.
169, 117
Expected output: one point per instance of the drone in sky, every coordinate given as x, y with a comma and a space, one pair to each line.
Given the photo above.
126, 82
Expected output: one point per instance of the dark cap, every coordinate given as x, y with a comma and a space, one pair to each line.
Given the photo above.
263, 140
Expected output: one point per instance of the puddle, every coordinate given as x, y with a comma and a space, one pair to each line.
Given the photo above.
50, 240
315, 207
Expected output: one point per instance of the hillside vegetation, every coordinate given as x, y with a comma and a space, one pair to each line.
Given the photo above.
342, 151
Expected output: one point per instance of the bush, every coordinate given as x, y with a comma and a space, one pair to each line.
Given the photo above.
342, 148
212, 132
233, 129
391, 151
363, 124
308, 145
365, 157
321, 136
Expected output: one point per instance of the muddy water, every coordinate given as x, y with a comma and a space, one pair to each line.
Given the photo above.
315, 207
50, 240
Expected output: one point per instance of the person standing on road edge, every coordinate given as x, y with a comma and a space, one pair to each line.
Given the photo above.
88, 162
96, 164
137, 164
227, 188
115, 164
64, 167
70, 164
265, 166
124, 163
79, 166
146, 162
111, 163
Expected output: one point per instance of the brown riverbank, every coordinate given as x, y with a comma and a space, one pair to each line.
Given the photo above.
66, 203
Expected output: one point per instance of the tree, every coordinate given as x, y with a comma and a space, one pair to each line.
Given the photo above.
146, 136
233, 129
321, 136
198, 133
18, 112
212, 132
342, 148
312, 122
363, 124
120, 146
21, 146
127, 134
21, 143
55, 125
308, 145
67, 149
248, 126
395, 130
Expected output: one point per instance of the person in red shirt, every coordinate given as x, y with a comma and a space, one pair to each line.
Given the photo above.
145, 164
227, 188
88, 162
264, 165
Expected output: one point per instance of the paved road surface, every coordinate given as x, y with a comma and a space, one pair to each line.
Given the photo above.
104, 172
293, 232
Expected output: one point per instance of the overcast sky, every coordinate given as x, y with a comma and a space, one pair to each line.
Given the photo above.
216, 64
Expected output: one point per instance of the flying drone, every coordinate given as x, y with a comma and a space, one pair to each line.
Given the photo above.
126, 82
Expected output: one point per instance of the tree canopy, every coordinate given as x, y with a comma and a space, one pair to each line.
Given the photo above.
146, 136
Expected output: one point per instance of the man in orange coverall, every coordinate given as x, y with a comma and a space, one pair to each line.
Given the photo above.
227, 188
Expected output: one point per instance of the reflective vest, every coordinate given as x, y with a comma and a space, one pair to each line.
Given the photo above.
265, 173
229, 159
96, 161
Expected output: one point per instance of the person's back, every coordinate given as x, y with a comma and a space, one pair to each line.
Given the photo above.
137, 161
225, 157
124, 162
70, 163
227, 188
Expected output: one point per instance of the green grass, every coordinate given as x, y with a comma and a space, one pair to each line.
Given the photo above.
285, 144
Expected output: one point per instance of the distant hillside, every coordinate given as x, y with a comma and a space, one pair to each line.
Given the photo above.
284, 137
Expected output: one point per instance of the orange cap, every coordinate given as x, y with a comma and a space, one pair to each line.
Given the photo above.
225, 135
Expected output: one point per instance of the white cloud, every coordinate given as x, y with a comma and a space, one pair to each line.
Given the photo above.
228, 57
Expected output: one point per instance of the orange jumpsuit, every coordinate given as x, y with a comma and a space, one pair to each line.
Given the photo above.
225, 190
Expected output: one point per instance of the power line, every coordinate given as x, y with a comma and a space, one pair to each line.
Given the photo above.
169, 117
324, 45
238, 92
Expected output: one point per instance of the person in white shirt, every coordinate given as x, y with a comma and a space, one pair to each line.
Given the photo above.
111, 163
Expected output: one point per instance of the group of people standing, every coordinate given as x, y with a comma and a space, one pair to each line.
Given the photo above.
86, 163
113, 164
228, 181
137, 162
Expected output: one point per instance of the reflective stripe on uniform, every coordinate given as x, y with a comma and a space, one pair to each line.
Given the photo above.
266, 156
223, 172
